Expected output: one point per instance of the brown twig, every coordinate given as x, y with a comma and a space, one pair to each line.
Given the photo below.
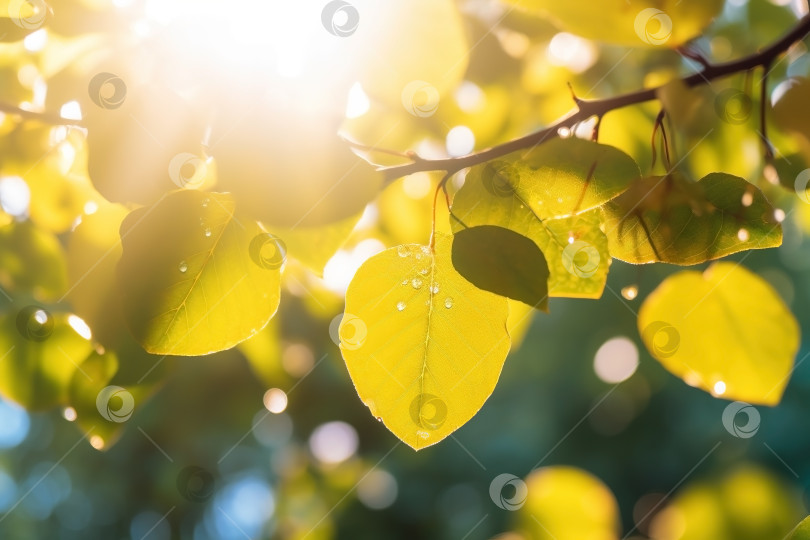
599, 107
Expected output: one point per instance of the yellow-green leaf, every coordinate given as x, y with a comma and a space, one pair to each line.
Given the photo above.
566, 503
647, 23
31, 261
195, 277
422, 41
725, 331
40, 353
575, 247
503, 262
802, 531
423, 346
670, 219
790, 113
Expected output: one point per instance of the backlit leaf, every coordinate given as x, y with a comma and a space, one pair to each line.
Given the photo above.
802, 531
41, 352
670, 219
647, 23
423, 346
503, 262
195, 277
566, 503
31, 261
725, 331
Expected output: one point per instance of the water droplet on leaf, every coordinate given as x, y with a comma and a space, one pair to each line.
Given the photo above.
401, 306
183, 266
448, 303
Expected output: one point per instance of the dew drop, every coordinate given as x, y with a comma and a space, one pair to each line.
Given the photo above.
379, 419
426, 250
416, 283
205, 203
743, 235
434, 288
207, 232
404, 281
423, 271
423, 434
183, 266
448, 303
403, 251
401, 306
630, 292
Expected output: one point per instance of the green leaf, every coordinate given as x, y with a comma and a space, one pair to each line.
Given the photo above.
802, 531
725, 331
670, 219
561, 177
790, 113
503, 262
196, 278
646, 23
31, 261
575, 247
529, 193
423, 346
41, 352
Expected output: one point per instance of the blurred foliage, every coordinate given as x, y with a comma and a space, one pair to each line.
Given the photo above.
141, 140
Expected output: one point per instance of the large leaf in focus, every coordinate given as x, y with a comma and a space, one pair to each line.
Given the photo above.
93, 252
423, 346
31, 261
646, 23
195, 277
566, 503
399, 43
670, 219
503, 262
725, 331
40, 354
575, 247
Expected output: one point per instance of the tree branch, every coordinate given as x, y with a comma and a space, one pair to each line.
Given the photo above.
599, 107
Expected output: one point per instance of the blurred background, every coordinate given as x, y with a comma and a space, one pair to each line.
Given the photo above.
269, 440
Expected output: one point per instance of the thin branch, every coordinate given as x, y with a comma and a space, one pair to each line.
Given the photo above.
599, 107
